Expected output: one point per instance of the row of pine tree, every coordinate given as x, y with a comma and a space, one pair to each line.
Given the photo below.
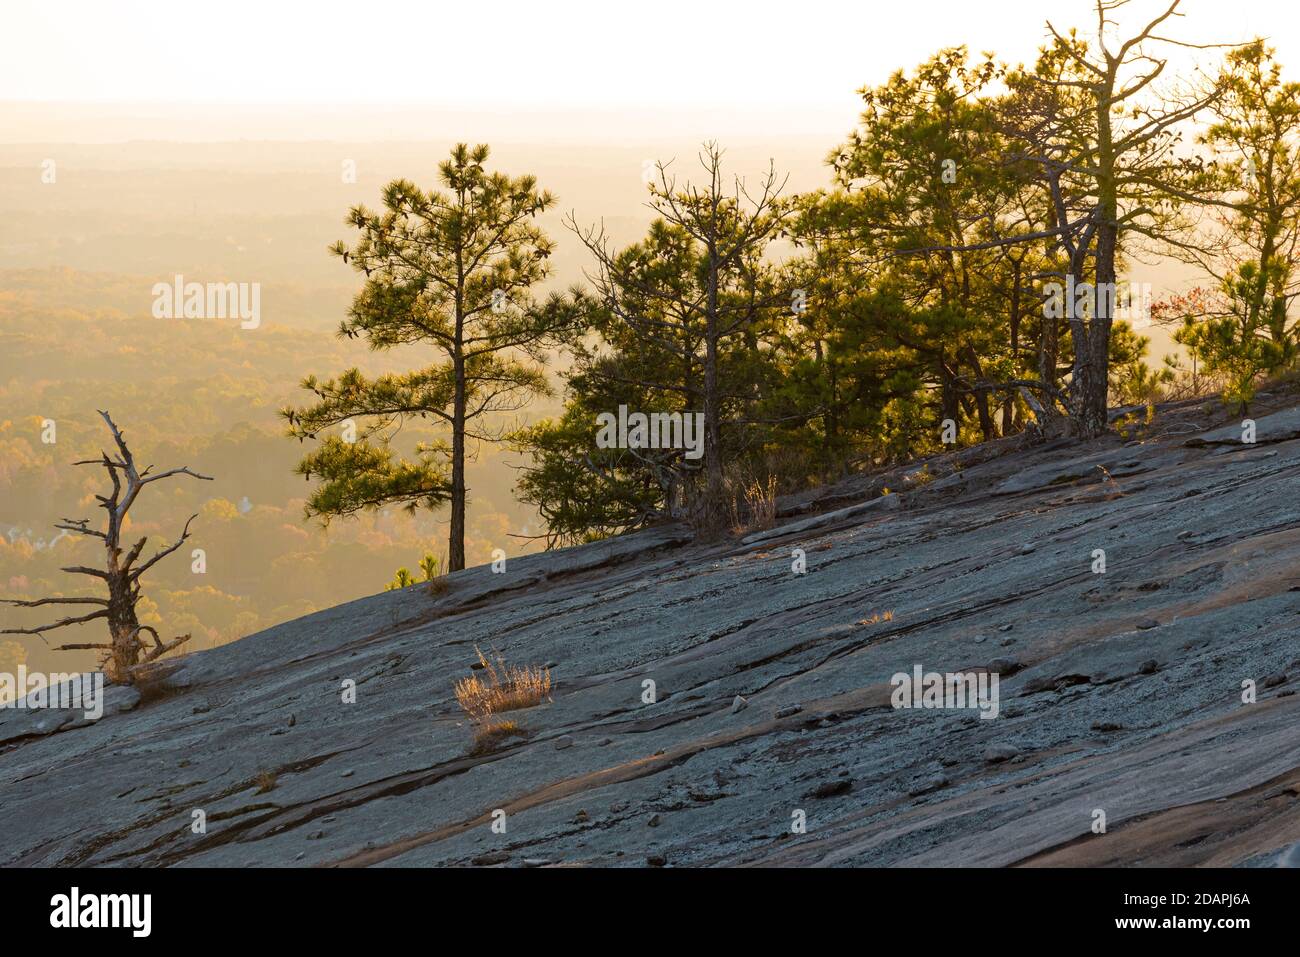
822, 331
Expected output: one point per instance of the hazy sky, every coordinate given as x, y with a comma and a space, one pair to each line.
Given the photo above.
790, 66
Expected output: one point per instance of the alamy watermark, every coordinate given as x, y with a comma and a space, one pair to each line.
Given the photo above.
959, 690
658, 430
213, 300
38, 690
1130, 301
130, 911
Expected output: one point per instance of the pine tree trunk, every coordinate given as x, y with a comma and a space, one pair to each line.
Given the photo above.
1094, 390
987, 426
713, 506
1049, 352
1009, 404
1092, 351
456, 539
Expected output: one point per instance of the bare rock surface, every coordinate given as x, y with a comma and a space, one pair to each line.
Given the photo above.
1119, 693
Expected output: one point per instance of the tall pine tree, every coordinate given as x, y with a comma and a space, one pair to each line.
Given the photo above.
453, 268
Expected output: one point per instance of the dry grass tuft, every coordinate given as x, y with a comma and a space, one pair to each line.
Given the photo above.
877, 618
265, 781
752, 505
500, 687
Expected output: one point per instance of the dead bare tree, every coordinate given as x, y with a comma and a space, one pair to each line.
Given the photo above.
126, 648
1119, 153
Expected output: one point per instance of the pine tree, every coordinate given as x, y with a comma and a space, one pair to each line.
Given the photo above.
451, 268
695, 286
1106, 141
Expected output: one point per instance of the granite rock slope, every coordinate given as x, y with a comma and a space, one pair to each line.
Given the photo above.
1119, 692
